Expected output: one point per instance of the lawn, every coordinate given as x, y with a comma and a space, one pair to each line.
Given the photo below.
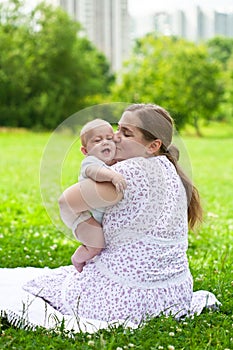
29, 237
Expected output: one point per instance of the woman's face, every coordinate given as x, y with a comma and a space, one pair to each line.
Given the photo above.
129, 139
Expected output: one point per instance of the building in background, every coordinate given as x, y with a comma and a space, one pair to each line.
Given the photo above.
193, 24
106, 24
223, 23
179, 23
109, 27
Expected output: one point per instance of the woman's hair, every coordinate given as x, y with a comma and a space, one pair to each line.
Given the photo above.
156, 123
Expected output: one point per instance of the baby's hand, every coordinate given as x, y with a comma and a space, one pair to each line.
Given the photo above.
119, 182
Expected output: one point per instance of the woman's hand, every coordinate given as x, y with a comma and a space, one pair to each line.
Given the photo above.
86, 195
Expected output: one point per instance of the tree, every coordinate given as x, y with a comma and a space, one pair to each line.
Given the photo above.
229, 90
13, 78
174, 73
221, 51
48, 71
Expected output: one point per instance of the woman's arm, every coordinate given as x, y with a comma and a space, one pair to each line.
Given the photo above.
86, 195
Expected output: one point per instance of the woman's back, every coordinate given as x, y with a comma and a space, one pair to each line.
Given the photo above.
146, 233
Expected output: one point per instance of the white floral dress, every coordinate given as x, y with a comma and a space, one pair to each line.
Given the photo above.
143, 271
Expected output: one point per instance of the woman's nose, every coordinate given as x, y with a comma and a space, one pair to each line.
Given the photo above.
117, 137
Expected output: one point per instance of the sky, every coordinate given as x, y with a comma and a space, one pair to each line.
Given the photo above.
145, 7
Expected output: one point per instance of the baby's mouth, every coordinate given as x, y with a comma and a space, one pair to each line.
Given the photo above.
106, 151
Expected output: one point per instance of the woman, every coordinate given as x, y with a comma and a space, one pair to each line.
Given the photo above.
143, 271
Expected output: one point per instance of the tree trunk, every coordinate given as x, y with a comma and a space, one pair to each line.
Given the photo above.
196, 126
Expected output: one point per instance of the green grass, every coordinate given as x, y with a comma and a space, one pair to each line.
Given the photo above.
28, 237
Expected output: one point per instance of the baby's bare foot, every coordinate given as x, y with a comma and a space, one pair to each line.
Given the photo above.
77, 265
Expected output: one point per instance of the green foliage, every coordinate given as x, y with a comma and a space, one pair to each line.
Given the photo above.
221, 51
49, 71
228, 106
174, 73
47, 68
27, 238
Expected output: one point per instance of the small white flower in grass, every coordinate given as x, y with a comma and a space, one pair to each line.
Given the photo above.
171, 347
91, 343
130, 345
160, 347
118, 348
171, 334
212, 215
89, 336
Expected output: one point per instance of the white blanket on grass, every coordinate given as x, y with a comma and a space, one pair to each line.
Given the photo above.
25, 310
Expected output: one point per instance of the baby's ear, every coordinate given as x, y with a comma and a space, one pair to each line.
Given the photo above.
84, 150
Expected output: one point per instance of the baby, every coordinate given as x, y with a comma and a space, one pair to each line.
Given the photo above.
99, 148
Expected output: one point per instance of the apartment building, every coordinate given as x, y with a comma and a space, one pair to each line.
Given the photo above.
195, 24
106, 24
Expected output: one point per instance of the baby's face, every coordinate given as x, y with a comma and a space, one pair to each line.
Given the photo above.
100, 143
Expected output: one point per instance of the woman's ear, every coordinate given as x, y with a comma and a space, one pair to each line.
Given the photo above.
83, 150
154, 146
